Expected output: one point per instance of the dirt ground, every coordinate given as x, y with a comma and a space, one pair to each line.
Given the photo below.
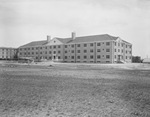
74, 90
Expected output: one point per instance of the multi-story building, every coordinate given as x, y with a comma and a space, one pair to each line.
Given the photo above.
7, 53
92, 49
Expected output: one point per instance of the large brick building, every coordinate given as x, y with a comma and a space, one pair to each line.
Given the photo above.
92, 49
7, 53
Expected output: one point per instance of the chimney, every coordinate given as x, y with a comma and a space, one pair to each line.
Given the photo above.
48, 38
73, 35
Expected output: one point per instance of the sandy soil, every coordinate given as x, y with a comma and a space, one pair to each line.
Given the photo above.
74, 90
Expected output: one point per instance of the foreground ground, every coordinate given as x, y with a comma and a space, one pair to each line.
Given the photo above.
74, 91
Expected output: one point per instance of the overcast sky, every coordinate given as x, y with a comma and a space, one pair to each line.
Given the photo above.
23, 21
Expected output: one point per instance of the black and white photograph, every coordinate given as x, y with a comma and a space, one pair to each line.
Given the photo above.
74, 58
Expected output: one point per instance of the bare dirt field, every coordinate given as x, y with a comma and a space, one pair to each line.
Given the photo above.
74, 90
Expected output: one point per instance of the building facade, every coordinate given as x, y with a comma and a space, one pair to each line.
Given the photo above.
7, 53
90, 49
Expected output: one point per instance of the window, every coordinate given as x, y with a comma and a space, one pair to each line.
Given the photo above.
126, 57
50, 57
58, 57
126, 46
98, 56
91, 57
65, 46
54, 47
107, 43
50, 47
37, 48
59, 46
40, 47
72, 46
29, 53
54, 52
107, 50
65, 57
115, 43
115, 50
85, 45
115, 56
50, 52
85, 57
32, 52
72, 51
72, 57
36, 52
20, 49
107, 56
122, 50
45, 57
118, 50
20, 53
45, 52
78, 51
78, 45
130, 52
59, 52
98, 44
118, 44
98, 50
36, 57
126, 51
78, 57
85, 51
91, 50
66, 51
122, 44
45, 47
91, 44
40, 52
130, 46
24, 53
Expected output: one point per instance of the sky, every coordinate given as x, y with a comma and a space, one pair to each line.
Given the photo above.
23, 21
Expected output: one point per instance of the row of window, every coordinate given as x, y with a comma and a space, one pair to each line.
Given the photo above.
90, 61
85, 51
91, 44
127, 57
54, 52
72, 51
36, 48
78, 57
7, 50
122, 51
91, 57
59, 57
5, 53
121, 44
